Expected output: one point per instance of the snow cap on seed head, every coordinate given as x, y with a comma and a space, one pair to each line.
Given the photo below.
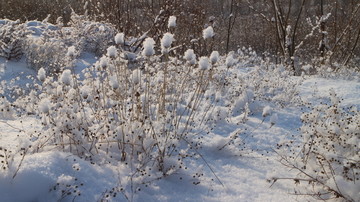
167, 40
119, 38
214, 57
267, 111
204, 63
172, 22
112, 52
103, 61
230, 60
41, 74
71, 51
148, 46
66, 77
190, 56
208, 32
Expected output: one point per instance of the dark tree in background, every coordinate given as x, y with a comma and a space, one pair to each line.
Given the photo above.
314, 31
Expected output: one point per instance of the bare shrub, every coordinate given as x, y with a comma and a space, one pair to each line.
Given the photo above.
328, 162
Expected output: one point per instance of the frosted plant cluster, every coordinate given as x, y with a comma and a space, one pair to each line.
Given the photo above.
328, 159
119, 115
145, 109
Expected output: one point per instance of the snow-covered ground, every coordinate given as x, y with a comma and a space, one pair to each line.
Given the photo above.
238, 172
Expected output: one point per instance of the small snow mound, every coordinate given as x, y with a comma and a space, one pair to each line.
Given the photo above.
217, 142
307, 68
266, 111
65, 179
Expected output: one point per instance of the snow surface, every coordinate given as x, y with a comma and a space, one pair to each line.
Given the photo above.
316, 89
243, 171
